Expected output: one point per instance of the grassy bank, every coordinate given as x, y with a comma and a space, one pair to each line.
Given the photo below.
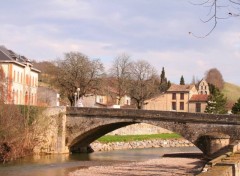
231, 91
127, 138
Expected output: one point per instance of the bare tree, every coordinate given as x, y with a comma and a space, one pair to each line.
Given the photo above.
78, 71
218, 10
120, 72
48, 71
144, 82
214, 77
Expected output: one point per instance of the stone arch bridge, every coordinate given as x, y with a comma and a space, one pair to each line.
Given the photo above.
78, 127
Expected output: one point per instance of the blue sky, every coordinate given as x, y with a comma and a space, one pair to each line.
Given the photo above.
153, 30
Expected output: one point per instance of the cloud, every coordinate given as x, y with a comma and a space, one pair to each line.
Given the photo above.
146, 29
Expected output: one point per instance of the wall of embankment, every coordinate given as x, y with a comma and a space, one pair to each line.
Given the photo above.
155, 143
227, 164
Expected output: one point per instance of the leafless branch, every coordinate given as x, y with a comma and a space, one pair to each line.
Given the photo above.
213, 15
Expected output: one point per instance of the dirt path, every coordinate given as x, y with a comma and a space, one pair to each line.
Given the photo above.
163, 166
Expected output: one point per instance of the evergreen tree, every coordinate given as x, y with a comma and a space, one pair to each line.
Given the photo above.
193, 80
217, 102
182, 82
164, 85
236, 107
169, 84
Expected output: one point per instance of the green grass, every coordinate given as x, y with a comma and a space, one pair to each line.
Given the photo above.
128, 138
231, 91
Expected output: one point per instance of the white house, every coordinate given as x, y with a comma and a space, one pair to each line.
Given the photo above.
21, 79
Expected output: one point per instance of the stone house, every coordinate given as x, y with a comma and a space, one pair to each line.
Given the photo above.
181, 98
105, 101
21, 79
198, 103
47, 96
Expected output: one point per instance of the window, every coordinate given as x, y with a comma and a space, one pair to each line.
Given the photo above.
198, 107
182, 96
181, 105
174, 96
14, 76
174, 106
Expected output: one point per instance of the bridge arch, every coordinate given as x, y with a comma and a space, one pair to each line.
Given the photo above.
84, 125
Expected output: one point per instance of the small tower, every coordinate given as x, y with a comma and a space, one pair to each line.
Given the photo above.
203, 87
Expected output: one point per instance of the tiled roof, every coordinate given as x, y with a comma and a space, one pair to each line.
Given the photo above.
9, 55
180, 88
199, 97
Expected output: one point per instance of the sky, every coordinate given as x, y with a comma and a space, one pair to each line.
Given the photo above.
153, 30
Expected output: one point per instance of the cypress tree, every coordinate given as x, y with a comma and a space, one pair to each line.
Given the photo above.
236, 107
182, 82
163, 87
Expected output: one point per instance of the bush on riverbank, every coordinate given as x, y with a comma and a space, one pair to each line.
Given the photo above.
20, 127
128, 138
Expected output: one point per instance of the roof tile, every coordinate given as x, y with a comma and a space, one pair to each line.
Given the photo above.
199, 97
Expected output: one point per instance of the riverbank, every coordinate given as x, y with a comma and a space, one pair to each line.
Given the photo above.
153, 143
165, 166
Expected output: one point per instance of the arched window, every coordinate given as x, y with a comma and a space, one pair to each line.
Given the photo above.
14, 75
20, 97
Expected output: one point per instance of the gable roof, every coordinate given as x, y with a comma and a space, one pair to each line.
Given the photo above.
8, 56
199, 98
180, 88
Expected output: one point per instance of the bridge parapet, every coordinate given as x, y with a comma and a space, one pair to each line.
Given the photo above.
136, 114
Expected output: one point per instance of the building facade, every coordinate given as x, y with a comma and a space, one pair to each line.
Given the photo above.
203, 87
180, 98
21, 79
105, 101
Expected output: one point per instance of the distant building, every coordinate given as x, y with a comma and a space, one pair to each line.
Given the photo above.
21, 79
198, 103
203, 87
180, 98
47, 96
104, 101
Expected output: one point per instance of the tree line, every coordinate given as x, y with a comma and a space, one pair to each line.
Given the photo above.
137, 79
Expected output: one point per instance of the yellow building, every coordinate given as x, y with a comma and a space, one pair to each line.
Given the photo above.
180, 98
21, 79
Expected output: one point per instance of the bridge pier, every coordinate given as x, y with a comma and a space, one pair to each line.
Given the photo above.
213, 143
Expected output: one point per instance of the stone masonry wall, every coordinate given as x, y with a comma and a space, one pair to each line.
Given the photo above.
54, 138
138, 129
156, 143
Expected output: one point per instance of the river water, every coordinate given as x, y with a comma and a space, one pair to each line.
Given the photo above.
61, 165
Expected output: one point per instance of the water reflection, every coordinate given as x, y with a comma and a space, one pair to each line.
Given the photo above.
60, 165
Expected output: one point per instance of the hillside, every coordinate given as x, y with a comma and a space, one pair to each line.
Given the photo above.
232, 92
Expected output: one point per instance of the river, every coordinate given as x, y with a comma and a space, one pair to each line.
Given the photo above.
61, 165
